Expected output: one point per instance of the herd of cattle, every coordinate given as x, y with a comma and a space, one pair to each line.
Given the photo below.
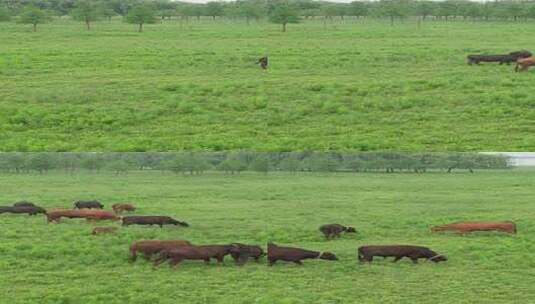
523, 59
176, 251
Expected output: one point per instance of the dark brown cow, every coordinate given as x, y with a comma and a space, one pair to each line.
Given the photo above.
119, 208
290, 254
88, 205
245, 252
30, 210
334, 230
263, 62
205, 252
465, 227
150, 247
24, 204
506, 58
152, 220
524, 64
366, 253
103, 230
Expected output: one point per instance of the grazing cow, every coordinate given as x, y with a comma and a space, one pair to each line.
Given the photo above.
290, 254
206, 252
524, 64
103, 230
263, 62
242, 253
152, 220
88, 205
507, 58
118, 208
334, 230
366, 253
150, 247
30, 210
465, 227
89, 214
24, 204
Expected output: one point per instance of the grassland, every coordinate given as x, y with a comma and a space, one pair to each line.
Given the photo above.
63, 263
353, 85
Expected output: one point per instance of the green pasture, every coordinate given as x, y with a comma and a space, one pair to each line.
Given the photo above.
63, 263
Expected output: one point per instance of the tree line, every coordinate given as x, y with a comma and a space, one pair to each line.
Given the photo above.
282, 12
236, 162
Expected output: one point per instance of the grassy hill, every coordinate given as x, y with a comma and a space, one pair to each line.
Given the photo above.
347, 86
63, 263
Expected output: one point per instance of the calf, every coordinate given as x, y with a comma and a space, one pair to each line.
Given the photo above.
150, 247
206, 252
290, 254
241, 252
263, 62
24, 204
334, 230
366, 253
88, 205
30, 210
102, 230
465, 227
92, 214
152, 220
55, 215
118, 208
524, 64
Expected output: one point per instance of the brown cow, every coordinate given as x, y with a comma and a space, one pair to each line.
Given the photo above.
366, 253
524, 64
102, 230
205, 252
465, 227
55, 215
290, 254
244, 252
150, 247
118, 208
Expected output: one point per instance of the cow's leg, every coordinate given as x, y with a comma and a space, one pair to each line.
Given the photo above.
397, 259
414, 260
207, 261
173, 263
298, 262
271, 262
158, 261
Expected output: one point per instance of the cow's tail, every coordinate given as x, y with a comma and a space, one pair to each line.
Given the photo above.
516, 67
514, 228
183, 224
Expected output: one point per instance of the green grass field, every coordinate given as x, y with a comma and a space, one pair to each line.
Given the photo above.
63, 263
353, 85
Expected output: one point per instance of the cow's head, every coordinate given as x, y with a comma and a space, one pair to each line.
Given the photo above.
438, 258
351, 229
328, 256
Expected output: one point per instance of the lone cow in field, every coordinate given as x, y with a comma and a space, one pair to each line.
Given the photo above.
30, 210
151, 247
88, 205
295, 255
523, 65
263, 62
366, 253
334, 230
152, 220
119, 208
466, 227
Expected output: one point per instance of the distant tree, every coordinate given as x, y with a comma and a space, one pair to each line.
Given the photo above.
34, 16
249, 10
105, 11
424, 9
359, 9
40, 162
232, 166
328, 11
290, 164
118, 166
393, 9
4, 14
85, 11
92, 162
142, 14
260, 164
214, 9
283, 13
530, 12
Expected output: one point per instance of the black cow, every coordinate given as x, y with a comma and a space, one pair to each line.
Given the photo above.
22, 209
88, 205
263, 62
504, 58
290, 254
334, 230
366, 253
152, 220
